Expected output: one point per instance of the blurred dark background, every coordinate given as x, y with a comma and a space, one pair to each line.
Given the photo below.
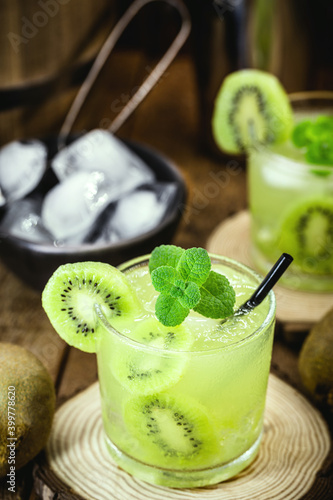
47, 47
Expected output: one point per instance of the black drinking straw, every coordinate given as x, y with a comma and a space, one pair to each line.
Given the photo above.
267, 284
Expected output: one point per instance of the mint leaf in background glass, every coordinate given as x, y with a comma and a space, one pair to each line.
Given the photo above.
169, 311
163, 278
217, 297
322, 128
320, 152
194, 265
299, 135
165, 255
317, 138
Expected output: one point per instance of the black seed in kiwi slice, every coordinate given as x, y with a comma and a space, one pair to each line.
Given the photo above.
70, 296
251, 108
141, 367
172, 432
307, 234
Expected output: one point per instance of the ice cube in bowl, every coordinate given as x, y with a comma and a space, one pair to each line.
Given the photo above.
34, 262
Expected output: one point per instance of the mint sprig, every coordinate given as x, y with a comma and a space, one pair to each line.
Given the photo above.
316, 137
185, 281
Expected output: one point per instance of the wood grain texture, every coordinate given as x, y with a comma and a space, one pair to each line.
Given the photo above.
39, 37
232, 239
295, 444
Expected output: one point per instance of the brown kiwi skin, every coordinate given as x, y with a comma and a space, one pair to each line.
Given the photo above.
33, 394
316, 363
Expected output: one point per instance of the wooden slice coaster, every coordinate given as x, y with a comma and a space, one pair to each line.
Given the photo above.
232, 239
294, 446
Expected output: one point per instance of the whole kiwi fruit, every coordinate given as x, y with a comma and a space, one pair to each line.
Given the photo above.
316, 362
27, 404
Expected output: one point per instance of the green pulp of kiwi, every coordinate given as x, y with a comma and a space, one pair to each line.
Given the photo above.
146, 371
251, 108
73, 290
171, 432
307, 234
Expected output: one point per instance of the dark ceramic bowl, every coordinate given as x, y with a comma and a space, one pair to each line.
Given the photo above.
34, 263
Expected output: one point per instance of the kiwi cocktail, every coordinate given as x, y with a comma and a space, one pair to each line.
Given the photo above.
289, 144
291, 199
182, 392
183, 406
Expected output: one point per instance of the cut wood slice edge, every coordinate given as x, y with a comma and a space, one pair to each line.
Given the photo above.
232, 239
295, 443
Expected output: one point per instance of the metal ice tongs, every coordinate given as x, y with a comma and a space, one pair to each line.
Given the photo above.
103, 55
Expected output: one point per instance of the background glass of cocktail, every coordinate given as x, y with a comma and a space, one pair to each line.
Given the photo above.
291, 204
199, 418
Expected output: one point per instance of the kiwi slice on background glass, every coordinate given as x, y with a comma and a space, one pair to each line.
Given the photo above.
172, 432
251, 108
149, 371
307, 234
73, 290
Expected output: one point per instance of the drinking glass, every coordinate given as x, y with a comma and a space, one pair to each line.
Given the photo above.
291, 205
196, 416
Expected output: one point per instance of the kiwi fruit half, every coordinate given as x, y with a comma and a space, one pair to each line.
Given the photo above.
307, 234
172, 432
146, 371
73, 290
251, 108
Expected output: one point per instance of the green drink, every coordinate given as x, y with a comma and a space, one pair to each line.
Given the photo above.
289, 145
291, 204
183, 406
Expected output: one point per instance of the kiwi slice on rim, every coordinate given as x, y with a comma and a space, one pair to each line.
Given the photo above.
71, 293
146, 371
251, 108
172, 432
307, 234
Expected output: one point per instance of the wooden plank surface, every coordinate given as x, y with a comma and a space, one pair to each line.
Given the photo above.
167, 120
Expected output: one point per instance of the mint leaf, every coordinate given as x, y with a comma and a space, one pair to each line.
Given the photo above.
320, 152
178, 289
191, 296
317, 138
194, 265
169, 311
165, 255
163, 278
299, 135
217, 297
187, 293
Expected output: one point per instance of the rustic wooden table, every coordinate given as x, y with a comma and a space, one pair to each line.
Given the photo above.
167, 120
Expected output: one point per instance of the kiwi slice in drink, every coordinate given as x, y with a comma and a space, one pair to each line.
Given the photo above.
307, 234
146, 371
172, 432
73, 290
251, 108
